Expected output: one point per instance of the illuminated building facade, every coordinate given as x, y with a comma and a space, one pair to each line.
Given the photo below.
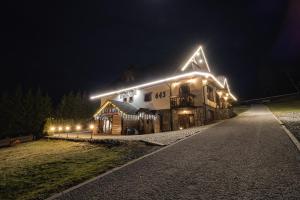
191, 97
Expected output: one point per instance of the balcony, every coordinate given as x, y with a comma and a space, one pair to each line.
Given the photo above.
182, 101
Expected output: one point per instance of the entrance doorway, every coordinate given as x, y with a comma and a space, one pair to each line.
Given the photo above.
186, 120
107, 124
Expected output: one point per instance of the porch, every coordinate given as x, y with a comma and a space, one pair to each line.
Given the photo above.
161, 139
120, 118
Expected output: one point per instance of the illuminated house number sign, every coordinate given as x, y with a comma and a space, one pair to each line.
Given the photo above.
130, 93
160, 95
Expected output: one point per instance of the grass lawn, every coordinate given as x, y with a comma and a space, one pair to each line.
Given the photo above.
288, 112
35, 170
292, 105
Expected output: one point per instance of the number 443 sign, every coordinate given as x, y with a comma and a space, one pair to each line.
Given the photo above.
160, 95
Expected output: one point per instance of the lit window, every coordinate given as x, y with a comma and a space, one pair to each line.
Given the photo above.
210, 93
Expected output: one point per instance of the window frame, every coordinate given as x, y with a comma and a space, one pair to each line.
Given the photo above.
149, 95
130, 99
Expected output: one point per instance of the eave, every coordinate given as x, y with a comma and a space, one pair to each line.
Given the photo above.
166, 80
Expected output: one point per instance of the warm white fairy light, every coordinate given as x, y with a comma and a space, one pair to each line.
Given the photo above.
52, 128
175, 84
78, 127
191, 59
67, 128
91, 126
220, 93
205, 58
168, 79
192, 80
173, 78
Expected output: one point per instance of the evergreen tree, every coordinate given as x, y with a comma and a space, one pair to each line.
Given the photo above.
23, 114
4, 119
28, 117
43, 109
17, 113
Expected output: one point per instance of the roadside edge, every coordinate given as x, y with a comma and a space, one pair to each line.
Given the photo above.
54, 196
291, 135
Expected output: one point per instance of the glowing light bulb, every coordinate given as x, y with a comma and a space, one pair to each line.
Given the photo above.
220, 93
91, 126
78, 127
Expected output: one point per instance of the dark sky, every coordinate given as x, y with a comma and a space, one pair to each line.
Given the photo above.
84, 45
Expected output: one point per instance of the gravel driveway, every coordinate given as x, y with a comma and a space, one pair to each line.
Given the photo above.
163, 138
292, 121
247, 157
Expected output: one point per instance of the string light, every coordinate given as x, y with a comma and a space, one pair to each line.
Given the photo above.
52, 129
191, 58
78, 127
197, 73
68, 128
192, 80
91, 126
220, 93
194, 73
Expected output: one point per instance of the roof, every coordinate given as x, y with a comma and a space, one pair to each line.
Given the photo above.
197, 63
125, 107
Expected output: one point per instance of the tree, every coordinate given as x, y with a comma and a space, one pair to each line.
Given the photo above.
24, 113
42, 109
4, 119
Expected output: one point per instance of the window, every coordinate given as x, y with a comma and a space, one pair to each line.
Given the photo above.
130, 99
148, 97
210, 93
184, 90
124, 99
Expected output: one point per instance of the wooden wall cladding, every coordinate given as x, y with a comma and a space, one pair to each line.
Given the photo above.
116, 125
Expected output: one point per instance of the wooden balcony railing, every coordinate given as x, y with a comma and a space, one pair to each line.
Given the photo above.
182, 101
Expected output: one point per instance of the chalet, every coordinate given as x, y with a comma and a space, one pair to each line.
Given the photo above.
194, 96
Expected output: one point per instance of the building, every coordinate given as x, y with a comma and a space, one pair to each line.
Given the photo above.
192, 97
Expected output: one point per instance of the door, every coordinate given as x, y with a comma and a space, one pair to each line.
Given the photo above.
184, 90
107, 122
186, 121
116, 125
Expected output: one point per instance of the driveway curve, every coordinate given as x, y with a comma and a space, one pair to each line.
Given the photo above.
247, 157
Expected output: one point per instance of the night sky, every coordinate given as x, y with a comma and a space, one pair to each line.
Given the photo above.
85, 45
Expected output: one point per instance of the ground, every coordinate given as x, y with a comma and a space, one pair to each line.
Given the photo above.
288, 111
161, 139
246, 157
38, 169
238, 109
